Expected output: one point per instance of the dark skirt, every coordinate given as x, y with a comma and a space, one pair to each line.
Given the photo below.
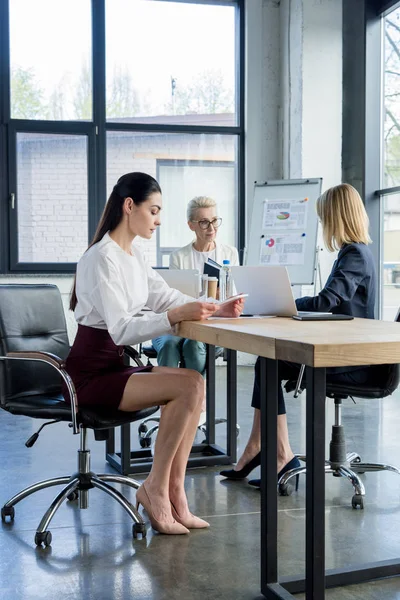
96, 366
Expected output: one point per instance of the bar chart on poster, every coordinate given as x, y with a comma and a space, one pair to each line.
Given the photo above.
284, 227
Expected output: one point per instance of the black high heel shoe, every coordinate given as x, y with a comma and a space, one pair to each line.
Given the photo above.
232, 474
292, 464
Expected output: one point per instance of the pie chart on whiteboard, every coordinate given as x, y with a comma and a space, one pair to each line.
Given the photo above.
270, 242
282, 216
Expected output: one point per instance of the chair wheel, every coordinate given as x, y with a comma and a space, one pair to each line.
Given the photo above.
139, 528
357, 501
142, 428
285, 489
7, 511
43, 538
145, 442
73, 496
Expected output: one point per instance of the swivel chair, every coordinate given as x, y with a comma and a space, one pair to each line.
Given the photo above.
340, 462
33, 348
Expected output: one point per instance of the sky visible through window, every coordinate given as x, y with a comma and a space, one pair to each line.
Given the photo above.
148, 44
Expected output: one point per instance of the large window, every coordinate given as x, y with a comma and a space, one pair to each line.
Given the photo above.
186, 166
52, 191
187, 69
92, 90
390, 199
50, 59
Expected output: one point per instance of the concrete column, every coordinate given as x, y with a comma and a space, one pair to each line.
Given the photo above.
262, 122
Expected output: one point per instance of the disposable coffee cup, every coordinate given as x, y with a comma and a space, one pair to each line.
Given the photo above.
204, 285
212, 287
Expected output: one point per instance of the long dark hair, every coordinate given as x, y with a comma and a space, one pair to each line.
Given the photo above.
137, 186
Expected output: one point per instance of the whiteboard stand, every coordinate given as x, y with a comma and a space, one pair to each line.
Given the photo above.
318, 274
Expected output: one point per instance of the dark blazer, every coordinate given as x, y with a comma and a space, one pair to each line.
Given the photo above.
350, 289
351, 286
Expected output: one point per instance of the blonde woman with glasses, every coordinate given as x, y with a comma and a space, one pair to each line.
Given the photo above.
203, 220
350, 289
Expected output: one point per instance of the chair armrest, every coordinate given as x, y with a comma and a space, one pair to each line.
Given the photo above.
133, 354
57, 363
299, 389
52, 359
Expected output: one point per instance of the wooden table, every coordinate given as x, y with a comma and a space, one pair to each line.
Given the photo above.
317, 345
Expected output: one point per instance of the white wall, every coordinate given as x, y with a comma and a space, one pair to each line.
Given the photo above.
294, 95
322, 98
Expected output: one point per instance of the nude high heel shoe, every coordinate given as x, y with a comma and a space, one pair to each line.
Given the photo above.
174, 528
191, 522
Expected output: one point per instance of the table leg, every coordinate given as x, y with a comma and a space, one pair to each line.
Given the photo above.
231, 407
315, 483
269, 501
210, 394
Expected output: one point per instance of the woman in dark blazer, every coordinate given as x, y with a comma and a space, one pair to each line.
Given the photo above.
350, 289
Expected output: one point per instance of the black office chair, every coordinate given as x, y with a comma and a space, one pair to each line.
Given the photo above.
33, 348
342, 463
146, 433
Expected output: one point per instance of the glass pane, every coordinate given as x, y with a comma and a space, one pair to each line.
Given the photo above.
170, 62
391, 256
391, 146
52, 197
185, 166
50, 45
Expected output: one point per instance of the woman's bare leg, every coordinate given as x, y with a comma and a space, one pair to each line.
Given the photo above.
253, 446
180, 391
177, 477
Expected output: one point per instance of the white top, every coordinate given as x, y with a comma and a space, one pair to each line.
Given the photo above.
183, 258
199, 258
112, 287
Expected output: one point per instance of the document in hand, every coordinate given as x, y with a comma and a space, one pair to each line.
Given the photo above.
232, 299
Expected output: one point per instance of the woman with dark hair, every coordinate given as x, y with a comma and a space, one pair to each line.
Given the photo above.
113, 284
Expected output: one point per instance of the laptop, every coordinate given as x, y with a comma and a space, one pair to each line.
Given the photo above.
186, 281
270, 293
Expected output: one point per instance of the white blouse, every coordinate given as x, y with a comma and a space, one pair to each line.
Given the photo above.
200, 258
112, 287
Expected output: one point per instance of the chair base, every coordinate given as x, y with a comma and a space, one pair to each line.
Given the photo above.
77, 486
351, 468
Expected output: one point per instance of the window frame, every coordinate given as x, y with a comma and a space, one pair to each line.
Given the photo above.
96, 131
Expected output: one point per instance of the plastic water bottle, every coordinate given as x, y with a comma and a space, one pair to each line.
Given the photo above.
225, 281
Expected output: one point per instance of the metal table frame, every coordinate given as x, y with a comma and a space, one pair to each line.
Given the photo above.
317, 579
127, 461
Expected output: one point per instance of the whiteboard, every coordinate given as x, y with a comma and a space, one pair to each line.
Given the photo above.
284, 227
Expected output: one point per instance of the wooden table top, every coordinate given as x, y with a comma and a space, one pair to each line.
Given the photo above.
314, 343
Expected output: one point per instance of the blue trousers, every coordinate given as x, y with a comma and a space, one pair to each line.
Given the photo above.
172, 350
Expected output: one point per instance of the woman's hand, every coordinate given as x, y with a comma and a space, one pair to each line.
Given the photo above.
231, 310
192, 311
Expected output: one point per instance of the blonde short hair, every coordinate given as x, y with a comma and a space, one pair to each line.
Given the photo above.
198, 202
343, 217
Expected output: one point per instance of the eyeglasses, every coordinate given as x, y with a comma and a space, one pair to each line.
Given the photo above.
205, 223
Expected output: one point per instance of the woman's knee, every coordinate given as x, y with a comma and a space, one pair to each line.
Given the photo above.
193, 385
170, 343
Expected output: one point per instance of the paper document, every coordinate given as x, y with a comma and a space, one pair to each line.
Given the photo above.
282, 249
285, 214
